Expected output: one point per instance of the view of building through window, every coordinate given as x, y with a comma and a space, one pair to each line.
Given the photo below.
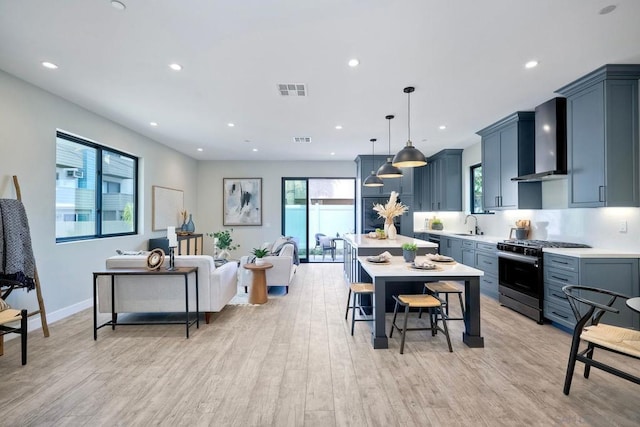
476, 189
81, 169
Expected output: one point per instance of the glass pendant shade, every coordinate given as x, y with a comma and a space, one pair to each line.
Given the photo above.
373, 180
409, 156
387, 170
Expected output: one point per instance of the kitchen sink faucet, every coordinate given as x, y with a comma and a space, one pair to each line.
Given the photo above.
476, 229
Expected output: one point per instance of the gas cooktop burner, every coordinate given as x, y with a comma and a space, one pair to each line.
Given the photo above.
544, 244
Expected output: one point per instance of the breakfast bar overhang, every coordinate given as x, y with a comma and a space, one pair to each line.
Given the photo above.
399, 271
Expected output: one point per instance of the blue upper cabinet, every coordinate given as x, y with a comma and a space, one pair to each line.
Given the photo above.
602, 137
508, 151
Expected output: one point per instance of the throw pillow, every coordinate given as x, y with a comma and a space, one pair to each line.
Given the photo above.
3, 305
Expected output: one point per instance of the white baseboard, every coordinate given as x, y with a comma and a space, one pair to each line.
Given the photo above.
34, 322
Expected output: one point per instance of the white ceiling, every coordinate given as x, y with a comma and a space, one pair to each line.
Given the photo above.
465, 58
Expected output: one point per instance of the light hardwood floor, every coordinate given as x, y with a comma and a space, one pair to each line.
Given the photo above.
292, 362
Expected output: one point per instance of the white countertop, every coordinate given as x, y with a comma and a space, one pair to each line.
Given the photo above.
399, 268
591, 253
572, 252
464, 235
364, 241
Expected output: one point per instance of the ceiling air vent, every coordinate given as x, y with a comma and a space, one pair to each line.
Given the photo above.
302, 140
292, 89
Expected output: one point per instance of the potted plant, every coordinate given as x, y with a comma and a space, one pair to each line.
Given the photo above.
260, 253
436, 224
223, 241
409, 251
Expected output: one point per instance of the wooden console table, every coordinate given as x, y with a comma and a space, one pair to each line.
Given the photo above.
113, 272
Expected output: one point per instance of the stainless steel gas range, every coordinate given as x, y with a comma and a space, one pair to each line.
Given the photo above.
520, 274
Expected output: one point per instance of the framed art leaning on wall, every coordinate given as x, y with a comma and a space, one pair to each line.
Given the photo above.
242, 201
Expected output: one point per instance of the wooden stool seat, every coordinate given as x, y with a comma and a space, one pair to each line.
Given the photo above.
419, 301
8, 316
362, 288
442, 287
433, 304
358, 289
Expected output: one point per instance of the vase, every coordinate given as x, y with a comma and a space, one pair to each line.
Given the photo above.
260, 261
409, 256
392, 233
190, 226
223, 254
183, 227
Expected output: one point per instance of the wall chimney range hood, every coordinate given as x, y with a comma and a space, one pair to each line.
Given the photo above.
550, 142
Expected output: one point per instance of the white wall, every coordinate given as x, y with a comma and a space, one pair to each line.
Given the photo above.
30, 117
597, 227
211, 173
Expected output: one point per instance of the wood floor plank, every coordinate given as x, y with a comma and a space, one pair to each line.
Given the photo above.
293, 362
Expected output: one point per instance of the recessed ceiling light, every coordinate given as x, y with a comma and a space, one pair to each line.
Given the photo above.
255, 149
353, 62
607, 9
442, 127
230, 125
118, 5
154, 124
200, 149
49, 65
175, 67
531, 64
332, 153
338, 127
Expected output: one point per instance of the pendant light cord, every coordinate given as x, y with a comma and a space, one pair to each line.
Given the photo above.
373, 155
409, 115
389, 119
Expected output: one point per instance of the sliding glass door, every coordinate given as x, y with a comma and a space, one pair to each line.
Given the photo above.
317, 212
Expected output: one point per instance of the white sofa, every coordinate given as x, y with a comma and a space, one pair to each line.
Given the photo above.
216, 286
283, 271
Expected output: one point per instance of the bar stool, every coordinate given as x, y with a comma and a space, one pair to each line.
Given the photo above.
446, 288
358, 289
430, 302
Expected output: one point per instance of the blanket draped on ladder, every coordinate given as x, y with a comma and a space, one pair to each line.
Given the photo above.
17, 262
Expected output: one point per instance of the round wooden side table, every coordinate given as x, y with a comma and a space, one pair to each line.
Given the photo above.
258, 292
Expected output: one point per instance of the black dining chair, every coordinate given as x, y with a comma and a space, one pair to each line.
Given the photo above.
615, 339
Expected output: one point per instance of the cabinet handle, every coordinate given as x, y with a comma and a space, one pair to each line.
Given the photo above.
496, 201
601, 197
562, 279
558, 296
560, 315
560, 262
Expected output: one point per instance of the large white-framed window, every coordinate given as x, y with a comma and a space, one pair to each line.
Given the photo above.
96, 190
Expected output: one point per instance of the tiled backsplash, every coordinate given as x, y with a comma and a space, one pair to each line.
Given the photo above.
597, 227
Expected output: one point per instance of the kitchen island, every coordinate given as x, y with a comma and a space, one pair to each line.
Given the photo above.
356, 245
386, 276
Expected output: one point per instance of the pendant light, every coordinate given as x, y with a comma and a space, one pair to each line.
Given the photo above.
373, 180
409, 156
387, 170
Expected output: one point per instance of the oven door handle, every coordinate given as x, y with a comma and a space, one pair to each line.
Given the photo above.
520, 258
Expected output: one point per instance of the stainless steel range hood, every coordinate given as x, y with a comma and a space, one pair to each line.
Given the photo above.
550, 142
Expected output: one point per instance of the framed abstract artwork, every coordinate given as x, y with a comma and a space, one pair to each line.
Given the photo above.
242, 201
